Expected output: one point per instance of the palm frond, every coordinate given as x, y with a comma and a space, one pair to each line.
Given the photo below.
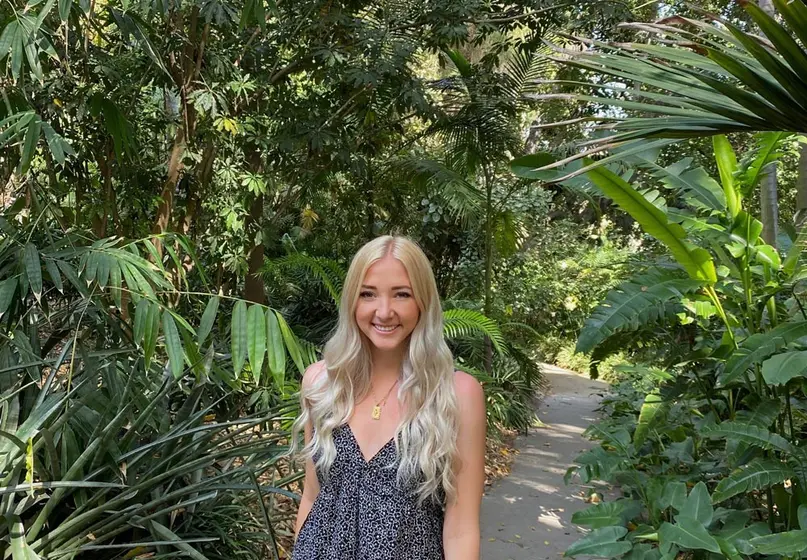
467, 322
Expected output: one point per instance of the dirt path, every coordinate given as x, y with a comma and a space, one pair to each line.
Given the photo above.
527, 515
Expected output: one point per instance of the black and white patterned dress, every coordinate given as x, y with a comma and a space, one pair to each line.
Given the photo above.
361, 513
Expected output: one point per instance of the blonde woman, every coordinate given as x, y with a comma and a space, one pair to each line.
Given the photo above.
394, 437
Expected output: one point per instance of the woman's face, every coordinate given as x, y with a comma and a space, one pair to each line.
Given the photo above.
386, 311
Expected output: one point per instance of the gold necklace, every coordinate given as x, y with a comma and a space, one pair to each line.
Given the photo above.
377, 408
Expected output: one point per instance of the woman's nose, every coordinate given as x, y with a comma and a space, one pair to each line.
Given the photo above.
384, 309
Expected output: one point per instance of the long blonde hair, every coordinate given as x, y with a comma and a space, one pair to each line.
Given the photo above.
427, 433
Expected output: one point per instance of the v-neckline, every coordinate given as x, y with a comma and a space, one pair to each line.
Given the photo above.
358, 445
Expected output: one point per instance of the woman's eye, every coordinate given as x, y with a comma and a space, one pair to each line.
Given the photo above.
365, 294
405, 294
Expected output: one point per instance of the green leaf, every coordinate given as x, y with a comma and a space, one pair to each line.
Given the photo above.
277, 353
163, 532
603, 542
781, 368
29, 147
7, 38
756, 475
698, 505
695, 260
20, 549
787, 544
256, 345
674, 495
291, 343
748, 434
64, 9
33, 269
173, 345
653, 411
759, 347
238, 336
7, 289
208, 319
150, 333
140, 321
54, 274
632, 305
604, 514
469, 322
802, 515
688, 533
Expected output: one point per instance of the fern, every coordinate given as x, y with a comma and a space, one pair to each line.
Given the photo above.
632, 305
328, 271
467, 322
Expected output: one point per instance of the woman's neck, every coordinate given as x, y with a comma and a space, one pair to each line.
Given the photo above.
386, 366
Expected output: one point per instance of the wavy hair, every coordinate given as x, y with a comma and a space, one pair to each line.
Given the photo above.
427, 433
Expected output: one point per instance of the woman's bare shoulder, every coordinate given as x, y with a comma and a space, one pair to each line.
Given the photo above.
313, 373
469, 390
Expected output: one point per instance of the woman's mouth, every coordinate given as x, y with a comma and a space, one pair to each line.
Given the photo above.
385, 329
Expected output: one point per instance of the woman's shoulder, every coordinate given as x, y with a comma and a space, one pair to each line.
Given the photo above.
313, 373
469, 391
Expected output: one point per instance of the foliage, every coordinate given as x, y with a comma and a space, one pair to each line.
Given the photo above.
709, 420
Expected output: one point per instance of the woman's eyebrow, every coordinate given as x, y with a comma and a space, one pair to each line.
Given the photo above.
394, 287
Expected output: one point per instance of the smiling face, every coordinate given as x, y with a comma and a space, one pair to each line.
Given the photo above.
386, 310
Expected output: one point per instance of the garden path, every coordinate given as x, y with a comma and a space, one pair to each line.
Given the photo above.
527, 515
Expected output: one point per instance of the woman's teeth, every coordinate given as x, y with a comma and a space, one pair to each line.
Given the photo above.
385, 329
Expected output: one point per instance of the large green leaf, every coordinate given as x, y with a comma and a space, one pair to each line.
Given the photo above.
603, 542
33, 269
759, 347
786, 544
727, 167
693, 184
605, 514
256, 344
173, 345
748, 434
698, 505
632, 305
756, 475
781, 368
688, 533
277, 352
238, 336
208, 319
652, 412
696, 261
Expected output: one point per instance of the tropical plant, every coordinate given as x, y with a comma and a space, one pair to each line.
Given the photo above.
725, 402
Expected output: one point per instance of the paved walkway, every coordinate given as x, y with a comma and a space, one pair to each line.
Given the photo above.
527, 515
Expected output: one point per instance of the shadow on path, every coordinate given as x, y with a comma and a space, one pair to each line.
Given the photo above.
527, 515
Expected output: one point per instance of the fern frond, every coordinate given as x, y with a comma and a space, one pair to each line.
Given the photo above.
467, 322
328, 271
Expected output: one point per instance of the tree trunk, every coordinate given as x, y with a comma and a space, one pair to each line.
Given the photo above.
253, 284
169, 186
768, 193
801, 189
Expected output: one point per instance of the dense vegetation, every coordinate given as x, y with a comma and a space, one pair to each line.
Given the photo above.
185, 182
705, 430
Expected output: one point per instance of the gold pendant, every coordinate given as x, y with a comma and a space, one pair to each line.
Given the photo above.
376, 412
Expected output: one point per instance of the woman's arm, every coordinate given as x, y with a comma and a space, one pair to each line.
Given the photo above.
461, 527
310, 483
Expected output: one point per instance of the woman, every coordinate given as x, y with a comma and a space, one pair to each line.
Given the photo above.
395, 438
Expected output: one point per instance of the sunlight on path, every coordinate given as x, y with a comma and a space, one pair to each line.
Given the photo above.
528, 514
